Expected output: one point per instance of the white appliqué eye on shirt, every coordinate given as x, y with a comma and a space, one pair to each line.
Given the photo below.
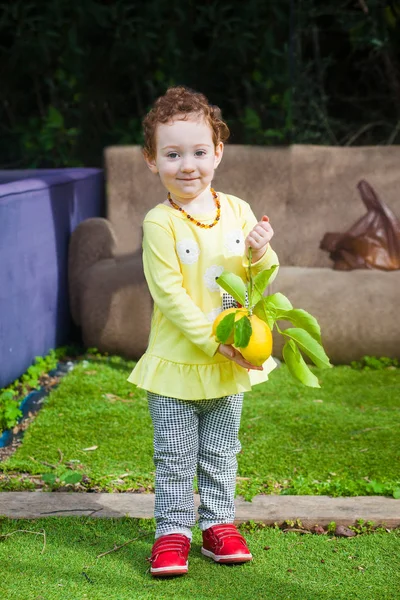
234, 242
213, 314
210, 275
188, 251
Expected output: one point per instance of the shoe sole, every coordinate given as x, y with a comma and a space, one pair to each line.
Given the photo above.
228, 558
169, 571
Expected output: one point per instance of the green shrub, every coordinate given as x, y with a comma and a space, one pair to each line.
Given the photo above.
304, 72
11, 396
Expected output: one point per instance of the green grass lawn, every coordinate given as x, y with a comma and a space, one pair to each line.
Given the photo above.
285, 565
341, 439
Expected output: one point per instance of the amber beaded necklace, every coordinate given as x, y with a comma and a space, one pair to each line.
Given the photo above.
203, 225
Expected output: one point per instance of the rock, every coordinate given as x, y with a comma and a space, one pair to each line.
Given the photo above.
342, 531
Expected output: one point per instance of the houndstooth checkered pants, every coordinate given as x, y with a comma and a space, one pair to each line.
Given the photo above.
199, 436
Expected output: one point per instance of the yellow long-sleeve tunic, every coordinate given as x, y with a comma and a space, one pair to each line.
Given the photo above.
181, 261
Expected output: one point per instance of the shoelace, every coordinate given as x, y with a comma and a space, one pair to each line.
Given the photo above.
171, 543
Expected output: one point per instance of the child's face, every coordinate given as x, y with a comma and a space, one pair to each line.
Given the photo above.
185, 156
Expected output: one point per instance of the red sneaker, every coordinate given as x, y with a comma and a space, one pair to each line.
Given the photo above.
224, 544
169, 555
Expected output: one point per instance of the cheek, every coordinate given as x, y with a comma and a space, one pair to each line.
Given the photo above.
207, 166
167, 170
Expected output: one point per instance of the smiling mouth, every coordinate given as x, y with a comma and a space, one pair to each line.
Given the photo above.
191, 179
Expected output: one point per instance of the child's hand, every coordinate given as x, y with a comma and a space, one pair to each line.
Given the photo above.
259, 238
234, 354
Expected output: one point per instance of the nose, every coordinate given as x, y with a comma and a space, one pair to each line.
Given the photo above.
187, 164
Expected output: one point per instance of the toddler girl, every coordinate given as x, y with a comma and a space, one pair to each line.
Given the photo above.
195, 385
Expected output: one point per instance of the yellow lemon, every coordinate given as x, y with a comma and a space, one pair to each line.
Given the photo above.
223, 314
259, 347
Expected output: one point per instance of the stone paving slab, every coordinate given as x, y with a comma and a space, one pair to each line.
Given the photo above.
311, 510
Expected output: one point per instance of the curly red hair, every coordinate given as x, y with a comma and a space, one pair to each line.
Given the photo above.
181, 100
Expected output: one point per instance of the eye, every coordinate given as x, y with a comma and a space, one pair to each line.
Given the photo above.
200, 153
172, 155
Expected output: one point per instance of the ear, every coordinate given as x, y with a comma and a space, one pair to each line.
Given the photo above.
150, 162
219, 151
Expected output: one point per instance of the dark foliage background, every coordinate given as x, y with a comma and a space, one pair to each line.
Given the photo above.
78, 76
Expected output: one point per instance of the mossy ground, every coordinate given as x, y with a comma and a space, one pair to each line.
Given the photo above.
341, 439
285, 565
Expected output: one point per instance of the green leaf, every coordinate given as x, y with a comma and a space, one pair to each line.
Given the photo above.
266, 314
55, 118
234, 285
375, 487
261, 282
377, 43
11, 414
309, 346
243, 331
251, 119
71, 477
297, 366
279, 302
7, 395
49, 478
225, 328
396, 493
303, 320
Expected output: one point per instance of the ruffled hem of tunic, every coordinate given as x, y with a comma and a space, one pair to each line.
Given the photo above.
195, 382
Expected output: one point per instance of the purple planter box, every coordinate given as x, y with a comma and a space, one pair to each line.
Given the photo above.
39, 209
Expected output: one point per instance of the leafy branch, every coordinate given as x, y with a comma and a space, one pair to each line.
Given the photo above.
303, 337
